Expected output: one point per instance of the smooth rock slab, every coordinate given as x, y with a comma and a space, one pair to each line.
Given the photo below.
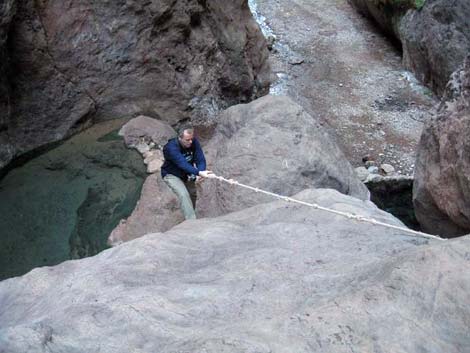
273, 278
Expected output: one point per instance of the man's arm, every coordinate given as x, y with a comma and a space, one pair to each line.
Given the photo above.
199, 158
172, 153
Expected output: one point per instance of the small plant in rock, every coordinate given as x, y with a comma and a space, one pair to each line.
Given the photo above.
419, 3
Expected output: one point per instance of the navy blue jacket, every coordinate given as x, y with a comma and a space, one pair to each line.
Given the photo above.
182, 162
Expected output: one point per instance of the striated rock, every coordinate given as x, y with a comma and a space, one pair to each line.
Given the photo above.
273, 278
78, 62
441, 192
436, 40
156, 211
273, 144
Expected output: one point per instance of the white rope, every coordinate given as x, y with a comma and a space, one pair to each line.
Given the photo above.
318, 207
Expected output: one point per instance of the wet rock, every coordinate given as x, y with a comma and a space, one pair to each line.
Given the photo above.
76, 63
441, 192
373, 169
259, 280
274, 144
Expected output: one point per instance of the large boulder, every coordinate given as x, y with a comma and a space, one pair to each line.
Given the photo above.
144, 129
441, 191
273, 278
156, 211
77, 62
436, 40
271, 143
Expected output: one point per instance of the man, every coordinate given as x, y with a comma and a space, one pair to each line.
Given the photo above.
184, 163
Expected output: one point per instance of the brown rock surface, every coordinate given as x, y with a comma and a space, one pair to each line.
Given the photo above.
76, 62
441, 192
271, 143
157, 211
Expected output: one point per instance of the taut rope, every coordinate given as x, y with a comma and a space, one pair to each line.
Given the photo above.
318, 207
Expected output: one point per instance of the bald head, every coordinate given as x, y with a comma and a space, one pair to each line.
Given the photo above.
185, 138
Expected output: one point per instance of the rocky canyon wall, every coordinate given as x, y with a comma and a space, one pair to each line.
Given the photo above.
7, 10
72, 63
441, 192
434, 34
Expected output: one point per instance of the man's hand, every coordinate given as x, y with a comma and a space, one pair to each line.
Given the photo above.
206, 174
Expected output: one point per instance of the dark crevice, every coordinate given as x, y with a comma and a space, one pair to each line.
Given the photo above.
395, 196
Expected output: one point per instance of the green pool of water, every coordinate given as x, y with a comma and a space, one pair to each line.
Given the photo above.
64, 203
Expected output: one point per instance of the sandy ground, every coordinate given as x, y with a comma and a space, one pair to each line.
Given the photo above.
341, 69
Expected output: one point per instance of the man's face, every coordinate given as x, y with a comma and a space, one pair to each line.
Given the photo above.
186, 140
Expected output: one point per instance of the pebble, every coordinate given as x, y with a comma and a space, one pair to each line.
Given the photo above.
362, 173
387, 169
295, 60
373, 169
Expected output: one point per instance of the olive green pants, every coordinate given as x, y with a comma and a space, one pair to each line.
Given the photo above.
186, 193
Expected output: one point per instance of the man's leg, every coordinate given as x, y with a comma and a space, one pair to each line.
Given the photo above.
191, 186
178, 187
